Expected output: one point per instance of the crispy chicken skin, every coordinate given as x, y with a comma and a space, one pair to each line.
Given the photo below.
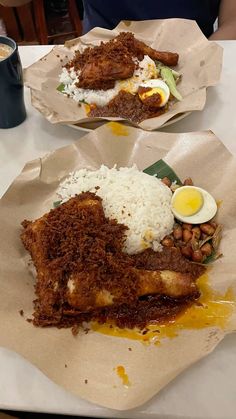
43, 239
103, 73
107, 63
80, 263
102, 65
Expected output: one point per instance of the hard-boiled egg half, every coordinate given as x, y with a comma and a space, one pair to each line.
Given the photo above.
193, 205
154, 87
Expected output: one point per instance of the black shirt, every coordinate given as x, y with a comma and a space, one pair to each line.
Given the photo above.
108, 13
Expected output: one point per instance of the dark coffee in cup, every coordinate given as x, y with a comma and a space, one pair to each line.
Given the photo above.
12, 107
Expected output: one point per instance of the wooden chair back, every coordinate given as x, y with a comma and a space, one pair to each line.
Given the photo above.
27, 23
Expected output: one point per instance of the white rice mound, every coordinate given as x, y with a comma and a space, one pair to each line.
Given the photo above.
146, 70
140, 201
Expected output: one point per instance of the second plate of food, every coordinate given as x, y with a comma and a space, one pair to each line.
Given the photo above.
145, 73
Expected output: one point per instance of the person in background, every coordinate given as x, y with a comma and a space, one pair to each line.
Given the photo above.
107, 14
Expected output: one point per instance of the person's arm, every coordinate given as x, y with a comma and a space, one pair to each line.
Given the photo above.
226, 21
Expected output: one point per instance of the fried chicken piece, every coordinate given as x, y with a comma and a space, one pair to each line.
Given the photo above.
33, 236
165, 57
166, 282
53, 243
102, 73
106, 64
81, 267
102, 65
140, 49
169, 257
83, 296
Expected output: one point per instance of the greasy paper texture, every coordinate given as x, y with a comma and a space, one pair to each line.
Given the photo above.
69, 360
200, 64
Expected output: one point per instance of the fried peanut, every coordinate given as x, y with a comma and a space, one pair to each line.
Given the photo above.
196, 232
207, 229
187, 235
213, 224
188, 182
187, 251
177, 233
197, 256
167, 242
187, 226
206, 249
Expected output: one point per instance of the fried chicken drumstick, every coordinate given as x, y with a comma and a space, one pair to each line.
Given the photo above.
139, 49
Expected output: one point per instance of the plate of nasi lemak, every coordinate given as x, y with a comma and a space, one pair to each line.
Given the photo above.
143, 74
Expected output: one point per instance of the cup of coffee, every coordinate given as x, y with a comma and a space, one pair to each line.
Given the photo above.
12, 106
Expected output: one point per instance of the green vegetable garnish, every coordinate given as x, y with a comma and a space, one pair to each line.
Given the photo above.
168, 78
61, 88
161, 170
212, 258
57, 203
175, 73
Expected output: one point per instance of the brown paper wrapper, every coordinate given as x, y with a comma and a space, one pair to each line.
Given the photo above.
200, 64
69, 360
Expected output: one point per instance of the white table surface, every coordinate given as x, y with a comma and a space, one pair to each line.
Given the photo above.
207, 390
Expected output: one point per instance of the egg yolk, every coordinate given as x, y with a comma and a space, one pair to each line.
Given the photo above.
188, 202
153, 91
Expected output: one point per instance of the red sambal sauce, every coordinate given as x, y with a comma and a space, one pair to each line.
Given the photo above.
128, 106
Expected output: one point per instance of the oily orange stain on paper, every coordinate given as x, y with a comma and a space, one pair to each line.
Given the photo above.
211, 310
120, 370
127, 22
87, 108
118, 129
